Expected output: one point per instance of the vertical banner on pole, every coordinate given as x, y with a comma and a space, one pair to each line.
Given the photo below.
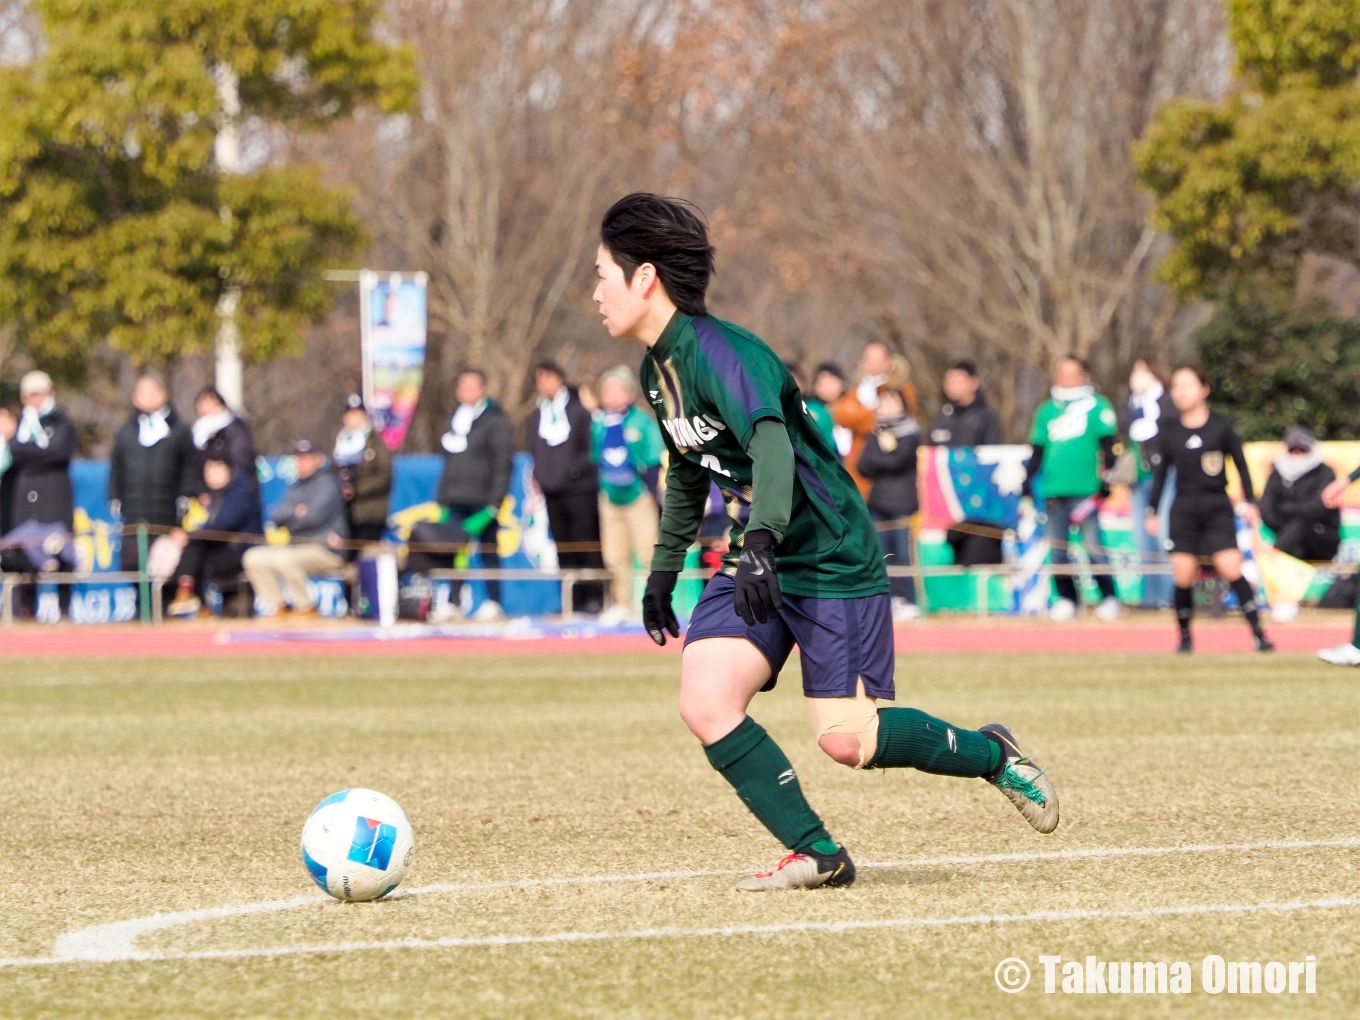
392, 316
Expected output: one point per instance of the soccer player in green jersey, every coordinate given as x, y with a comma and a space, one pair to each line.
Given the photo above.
805, 565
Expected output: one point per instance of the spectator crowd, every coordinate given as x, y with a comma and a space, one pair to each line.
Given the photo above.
598, 466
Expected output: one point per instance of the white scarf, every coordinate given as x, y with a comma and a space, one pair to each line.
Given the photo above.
349, 446
1067, 394
1291, 468
867, 391
455, 439
153, 427
209, 425
30, 424
553, 427
1148, 412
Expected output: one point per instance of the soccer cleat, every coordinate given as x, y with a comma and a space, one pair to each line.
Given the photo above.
1342, 655
1261, 643
804, 869
1023, 781
1186, 646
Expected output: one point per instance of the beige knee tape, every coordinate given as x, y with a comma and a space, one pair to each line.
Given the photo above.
857, 715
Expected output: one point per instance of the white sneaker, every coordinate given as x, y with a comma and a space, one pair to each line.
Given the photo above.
1285, 612
904, 611
1108, 609
615, 616
1062, 610
1342, 655
447, 613
489, 612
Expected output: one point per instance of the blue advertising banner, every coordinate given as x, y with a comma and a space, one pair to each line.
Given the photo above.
523, 540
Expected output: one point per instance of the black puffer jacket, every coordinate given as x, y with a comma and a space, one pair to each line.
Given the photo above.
974, 424
1301, 500
40, 486
566, 469
889, 462
153, 483
480, 475
237, 442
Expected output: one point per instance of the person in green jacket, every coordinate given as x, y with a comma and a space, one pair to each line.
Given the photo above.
626, 447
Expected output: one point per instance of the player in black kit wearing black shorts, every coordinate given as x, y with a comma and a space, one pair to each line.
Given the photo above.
1198, 444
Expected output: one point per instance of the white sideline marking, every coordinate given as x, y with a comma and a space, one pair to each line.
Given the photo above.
116, 941
451, 942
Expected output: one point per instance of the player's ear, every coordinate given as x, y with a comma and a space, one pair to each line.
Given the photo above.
644, 279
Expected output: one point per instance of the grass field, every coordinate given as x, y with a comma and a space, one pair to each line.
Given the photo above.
140, 787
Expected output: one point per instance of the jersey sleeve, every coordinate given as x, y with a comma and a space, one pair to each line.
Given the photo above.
744, 379
682, 510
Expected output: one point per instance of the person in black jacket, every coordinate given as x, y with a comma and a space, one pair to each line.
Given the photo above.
966, 419
479, 450
364, 465
40, 446
564, 471
216, 425
40, 450
1292, 507
153, 471
888, 460
233, 509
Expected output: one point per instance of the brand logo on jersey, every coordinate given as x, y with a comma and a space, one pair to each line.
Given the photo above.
1194, 443
693, 431
1211, 461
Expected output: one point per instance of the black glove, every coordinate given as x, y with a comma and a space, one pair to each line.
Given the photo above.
757, 594
657, 614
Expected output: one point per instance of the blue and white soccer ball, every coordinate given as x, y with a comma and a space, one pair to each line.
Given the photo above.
358, 845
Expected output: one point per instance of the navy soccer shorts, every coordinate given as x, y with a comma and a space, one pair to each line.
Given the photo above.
839, 640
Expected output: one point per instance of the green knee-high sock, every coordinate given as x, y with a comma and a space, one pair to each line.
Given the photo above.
908, 738
1355, 639
755, 766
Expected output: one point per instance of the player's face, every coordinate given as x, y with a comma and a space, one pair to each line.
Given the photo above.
622, 303
1187, 392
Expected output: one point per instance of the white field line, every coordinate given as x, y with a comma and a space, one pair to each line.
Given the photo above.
117, 940
451, 942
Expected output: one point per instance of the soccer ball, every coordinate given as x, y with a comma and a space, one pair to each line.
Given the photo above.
358, 845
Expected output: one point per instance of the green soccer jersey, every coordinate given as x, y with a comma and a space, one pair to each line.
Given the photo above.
710, 382
1070, 432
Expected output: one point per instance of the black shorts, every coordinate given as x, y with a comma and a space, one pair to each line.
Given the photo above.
840, 641
1202, 525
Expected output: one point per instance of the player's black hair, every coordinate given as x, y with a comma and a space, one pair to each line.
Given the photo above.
830, 368
671, 234
1198, 371
965, 365
548, 365
473, 371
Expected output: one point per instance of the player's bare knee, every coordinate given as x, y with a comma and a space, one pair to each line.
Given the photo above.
843, 748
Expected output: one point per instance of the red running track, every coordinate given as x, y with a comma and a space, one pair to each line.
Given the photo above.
1142, 637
